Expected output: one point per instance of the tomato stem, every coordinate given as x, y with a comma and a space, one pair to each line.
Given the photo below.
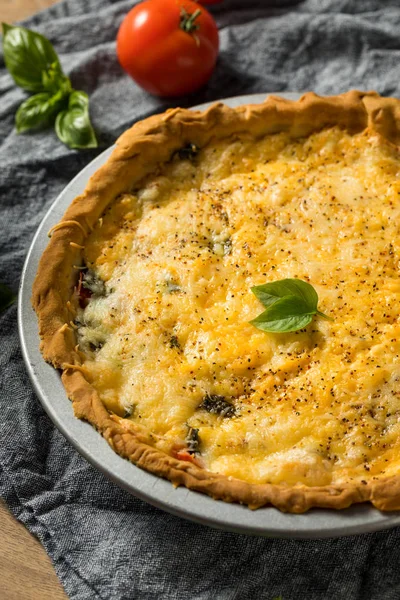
187, 22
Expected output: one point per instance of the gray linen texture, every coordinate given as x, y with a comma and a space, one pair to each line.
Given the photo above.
104, 543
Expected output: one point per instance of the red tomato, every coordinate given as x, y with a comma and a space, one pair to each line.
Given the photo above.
184, 455
84, 294
169, 47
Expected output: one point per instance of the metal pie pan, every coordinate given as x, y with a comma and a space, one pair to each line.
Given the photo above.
269, 522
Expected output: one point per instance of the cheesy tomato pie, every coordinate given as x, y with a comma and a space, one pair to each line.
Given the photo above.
144, 300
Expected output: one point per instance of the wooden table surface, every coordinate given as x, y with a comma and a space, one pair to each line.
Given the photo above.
16, 10
26, 572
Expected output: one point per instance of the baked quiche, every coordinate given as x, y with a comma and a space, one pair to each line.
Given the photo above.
145, 300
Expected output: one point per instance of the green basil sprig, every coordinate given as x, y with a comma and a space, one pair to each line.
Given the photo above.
290, 305
6, 297
34, 65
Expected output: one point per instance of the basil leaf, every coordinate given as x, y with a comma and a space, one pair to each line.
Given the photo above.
34, 65
27, 56
73, 125
54, 80
271, 292
38, 111
6, 297
290, 303
287, 314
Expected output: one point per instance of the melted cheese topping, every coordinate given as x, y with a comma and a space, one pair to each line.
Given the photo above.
179, 256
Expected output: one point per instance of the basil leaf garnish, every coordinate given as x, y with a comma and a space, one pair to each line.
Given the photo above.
27, 56
271, 292
290, 305
6, 297
38, 111
34, 65
287, 314
73, 125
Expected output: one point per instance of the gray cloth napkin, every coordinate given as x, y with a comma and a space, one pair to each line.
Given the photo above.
104, 543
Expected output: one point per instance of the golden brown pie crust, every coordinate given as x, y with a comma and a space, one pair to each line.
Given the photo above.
139, 150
